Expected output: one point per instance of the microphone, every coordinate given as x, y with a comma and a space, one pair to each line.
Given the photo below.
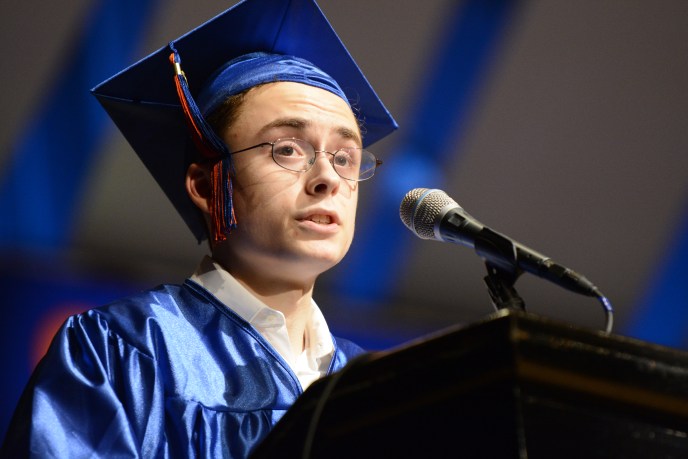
431, 214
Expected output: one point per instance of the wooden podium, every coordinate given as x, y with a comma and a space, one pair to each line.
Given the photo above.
515, 385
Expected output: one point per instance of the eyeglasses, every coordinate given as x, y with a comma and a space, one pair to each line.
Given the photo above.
298, 155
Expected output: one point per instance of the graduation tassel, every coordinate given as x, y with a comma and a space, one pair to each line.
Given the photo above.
222, 210
211, 147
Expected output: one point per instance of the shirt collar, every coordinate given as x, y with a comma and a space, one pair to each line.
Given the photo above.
221, 284
215, 279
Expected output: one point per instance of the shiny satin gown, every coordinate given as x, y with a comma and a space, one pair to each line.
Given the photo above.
169, 373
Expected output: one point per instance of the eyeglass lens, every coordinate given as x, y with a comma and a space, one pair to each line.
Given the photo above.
299, 155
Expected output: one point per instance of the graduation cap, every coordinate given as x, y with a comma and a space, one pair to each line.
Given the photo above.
152, 102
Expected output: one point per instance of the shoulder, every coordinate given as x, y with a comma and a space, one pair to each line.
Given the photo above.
144, 318
348, 348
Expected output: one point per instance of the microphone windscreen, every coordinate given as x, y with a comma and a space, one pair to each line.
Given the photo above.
420, 208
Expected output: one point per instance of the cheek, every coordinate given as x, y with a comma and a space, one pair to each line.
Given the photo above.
253, 207
259, 187
264, 209
351, 205
352, 210
353, 197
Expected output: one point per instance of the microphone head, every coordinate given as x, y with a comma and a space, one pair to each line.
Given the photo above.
420, 208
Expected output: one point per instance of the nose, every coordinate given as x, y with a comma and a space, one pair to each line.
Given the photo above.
322, 178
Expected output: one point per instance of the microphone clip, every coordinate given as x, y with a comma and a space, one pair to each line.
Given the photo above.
500, 286
501, 260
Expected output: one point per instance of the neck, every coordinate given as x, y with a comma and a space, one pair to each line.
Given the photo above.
294, 303
292, 298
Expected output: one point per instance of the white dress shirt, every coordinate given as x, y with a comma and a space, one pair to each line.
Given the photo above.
315, 359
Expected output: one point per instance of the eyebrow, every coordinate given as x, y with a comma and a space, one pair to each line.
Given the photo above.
302, 124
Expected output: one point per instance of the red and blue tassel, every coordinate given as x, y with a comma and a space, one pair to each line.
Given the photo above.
211, 147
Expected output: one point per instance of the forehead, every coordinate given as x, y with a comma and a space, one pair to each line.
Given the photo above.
308, 107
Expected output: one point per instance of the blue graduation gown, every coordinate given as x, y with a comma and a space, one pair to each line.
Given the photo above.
171, 372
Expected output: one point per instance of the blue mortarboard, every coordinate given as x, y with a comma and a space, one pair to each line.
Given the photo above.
144, 102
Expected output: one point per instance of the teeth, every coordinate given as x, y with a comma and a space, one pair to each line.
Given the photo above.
323, 219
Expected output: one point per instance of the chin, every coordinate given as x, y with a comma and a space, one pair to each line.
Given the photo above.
325, 260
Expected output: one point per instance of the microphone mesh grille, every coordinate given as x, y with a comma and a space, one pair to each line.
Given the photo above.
420, 208
408, 205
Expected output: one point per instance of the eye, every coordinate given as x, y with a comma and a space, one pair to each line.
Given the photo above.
290, 148
285, 150
349, 158
342, 160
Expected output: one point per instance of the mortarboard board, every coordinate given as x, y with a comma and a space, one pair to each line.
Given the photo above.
143, 101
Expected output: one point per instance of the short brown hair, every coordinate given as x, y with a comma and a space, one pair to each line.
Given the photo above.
227, 112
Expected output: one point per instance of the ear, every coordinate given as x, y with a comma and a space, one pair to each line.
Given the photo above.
199, 186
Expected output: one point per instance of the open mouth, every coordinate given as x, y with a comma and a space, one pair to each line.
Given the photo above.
320, 219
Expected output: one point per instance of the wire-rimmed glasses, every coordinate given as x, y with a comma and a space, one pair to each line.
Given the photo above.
298, 155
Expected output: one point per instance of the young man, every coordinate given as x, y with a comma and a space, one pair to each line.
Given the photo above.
206, 368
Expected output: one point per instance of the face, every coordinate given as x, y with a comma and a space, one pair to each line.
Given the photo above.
291, 224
